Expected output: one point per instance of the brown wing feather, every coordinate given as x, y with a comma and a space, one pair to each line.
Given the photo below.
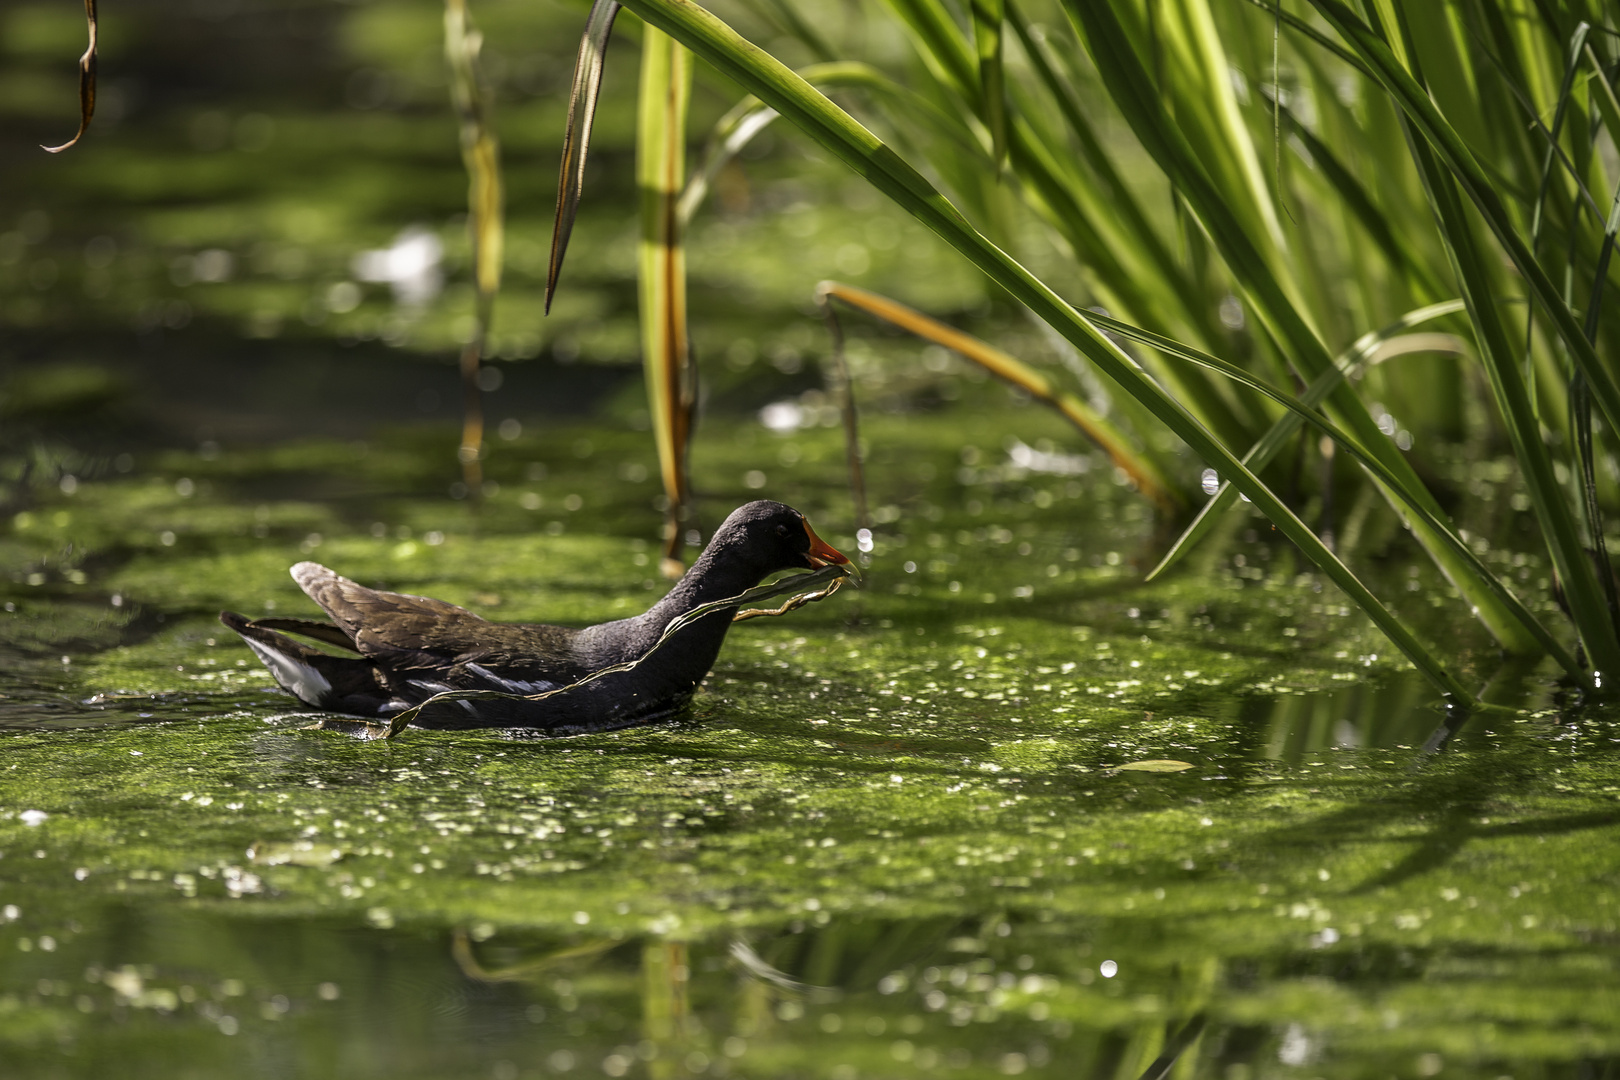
383, 623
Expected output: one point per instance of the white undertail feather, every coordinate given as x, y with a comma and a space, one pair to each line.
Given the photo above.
296, 677
511, 686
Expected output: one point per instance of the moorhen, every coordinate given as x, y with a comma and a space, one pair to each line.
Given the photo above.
412, 648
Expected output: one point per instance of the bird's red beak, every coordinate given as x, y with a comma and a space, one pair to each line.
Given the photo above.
821, 553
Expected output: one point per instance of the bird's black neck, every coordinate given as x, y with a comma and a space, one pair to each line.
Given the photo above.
710, 579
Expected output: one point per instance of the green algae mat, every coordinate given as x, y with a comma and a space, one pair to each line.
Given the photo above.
1004, 811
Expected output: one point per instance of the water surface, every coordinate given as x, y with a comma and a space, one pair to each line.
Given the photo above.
898, 834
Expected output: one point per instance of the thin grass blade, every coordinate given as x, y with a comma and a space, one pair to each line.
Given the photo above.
844, 394
1299, 26
1396, 249
581, 115
787, 16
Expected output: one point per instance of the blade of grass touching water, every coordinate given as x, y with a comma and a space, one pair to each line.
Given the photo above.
481, 155
1149, 479
1587, 606
1581, 408
1301, 410
87, 81
666, 82
1135, 93
838, 132
1445, 164
1580, 398
576, 140
1275, 439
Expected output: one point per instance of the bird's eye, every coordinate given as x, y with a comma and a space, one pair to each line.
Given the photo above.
781, 530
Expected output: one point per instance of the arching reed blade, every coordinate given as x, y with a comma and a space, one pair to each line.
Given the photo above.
666, 82
581, 114
1263, 452
1149, 479
87, 82
1414, 506
746, 119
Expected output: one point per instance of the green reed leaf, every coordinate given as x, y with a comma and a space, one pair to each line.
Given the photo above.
666, 86
988, 16
481, 156
1275, 439
1135, 93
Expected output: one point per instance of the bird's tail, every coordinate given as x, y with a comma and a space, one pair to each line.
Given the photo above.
316, 678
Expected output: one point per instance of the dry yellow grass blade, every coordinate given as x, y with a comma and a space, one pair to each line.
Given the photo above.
1147, 477
87, 82
481, 154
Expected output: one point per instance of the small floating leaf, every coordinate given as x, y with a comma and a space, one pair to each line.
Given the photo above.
1156, 765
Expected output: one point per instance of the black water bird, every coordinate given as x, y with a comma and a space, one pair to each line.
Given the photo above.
412, 648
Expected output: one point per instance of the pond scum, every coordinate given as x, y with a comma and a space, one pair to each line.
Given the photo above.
1010, 810
896, 835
